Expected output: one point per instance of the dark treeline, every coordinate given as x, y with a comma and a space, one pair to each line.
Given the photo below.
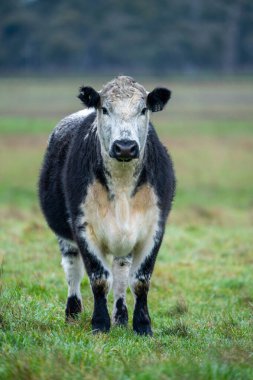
148, 36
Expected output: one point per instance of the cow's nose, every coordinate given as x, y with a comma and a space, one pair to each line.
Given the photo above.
125, 150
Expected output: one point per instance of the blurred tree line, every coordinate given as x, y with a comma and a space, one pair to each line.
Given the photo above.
154, 36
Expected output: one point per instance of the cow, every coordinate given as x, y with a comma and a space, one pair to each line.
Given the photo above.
106, 188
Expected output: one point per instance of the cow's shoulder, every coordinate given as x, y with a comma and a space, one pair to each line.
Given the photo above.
84, 162
67, 127
158, 171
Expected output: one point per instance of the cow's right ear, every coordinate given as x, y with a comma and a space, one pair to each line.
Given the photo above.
89, 97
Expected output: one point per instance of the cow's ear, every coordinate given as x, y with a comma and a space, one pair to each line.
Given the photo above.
89, 97
158, 98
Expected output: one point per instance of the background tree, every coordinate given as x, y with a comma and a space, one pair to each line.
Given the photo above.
155, 37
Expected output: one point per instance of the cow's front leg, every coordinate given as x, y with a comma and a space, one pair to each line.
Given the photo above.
140, 275
100, 281
120, 271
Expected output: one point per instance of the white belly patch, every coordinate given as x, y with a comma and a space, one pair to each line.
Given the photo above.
121, 225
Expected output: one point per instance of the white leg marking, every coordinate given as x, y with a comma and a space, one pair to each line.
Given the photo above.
120, 270
74, 268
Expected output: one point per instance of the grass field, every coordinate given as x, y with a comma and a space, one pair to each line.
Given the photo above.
201, 297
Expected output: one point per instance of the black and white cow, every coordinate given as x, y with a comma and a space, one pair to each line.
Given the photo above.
106, 188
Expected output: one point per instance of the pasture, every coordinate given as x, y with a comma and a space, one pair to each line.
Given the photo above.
201, 297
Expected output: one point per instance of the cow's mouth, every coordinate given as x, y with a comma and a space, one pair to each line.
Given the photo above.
124, 159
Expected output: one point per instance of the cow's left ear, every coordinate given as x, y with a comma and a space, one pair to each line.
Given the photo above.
158, 98
89, 97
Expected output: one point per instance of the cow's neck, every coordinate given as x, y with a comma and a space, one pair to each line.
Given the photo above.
122, 177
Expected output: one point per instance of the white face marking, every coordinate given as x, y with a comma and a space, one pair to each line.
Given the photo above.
126, 118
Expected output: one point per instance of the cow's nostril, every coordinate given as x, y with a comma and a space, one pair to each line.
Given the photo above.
117, 149
125, 150
133, 149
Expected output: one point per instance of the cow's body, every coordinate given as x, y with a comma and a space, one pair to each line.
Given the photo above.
97, 206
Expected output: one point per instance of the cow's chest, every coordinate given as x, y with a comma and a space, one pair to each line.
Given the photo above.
120, 225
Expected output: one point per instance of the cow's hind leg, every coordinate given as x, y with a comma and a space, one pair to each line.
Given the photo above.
74, 269
120, 270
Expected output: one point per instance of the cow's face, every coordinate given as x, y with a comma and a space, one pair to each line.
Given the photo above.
123, 126
123, 115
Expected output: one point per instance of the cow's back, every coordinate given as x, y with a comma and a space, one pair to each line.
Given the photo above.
51, 190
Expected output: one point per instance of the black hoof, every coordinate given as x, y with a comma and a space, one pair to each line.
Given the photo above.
100, 324
100, 320
142, 323
73, 308
120, 317
143, 329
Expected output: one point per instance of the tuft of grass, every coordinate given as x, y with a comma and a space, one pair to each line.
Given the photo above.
179, 329
179, 308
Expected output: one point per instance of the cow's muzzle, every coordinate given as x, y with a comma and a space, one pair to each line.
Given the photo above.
124, 150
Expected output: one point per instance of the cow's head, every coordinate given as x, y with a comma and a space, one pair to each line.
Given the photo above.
123, 107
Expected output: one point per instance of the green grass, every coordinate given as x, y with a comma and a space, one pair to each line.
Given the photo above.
201, 297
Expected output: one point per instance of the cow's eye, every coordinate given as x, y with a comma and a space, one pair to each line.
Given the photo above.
104, 110
143, 112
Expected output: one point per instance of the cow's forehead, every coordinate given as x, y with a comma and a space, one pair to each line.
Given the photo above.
125, 107
123, 88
